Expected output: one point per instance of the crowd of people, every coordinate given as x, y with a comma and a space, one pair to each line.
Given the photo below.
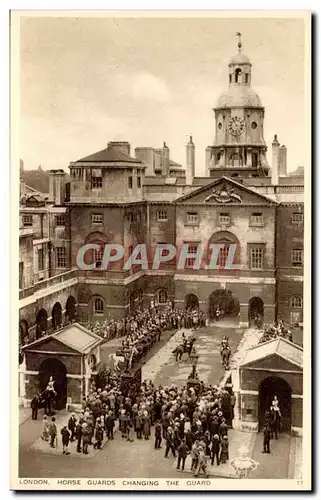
166, 317
277, 330
187, 421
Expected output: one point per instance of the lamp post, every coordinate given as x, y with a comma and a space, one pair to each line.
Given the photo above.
244, 464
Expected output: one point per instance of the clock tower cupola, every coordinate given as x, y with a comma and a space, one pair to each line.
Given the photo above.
239, 148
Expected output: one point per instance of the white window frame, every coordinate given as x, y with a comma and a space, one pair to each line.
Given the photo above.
98, 310
192, 248
257, 219
297, 215
161, 296
96, 182
192, 218
162, 215
97, 218
296, 302
98, 256
256, 257
27, 220
61, 257
222, 256
60, 220
41, 259
297, 257
224, 219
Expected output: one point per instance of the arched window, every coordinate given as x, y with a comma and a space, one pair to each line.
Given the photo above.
296, 302
238, 72
98, 306
161, 296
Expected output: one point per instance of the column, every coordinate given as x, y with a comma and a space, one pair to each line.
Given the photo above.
244, 315
235, 377
249, 158
222, 158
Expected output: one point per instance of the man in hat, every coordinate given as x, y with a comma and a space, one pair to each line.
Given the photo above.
215, 450
72, 426
65, 436
85, 438
52, 432
182, 451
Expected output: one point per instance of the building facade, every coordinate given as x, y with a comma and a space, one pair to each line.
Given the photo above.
146, 198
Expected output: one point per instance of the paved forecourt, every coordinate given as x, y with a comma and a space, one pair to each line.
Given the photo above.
119, 458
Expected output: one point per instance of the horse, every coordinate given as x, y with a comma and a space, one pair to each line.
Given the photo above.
117, 361
225, 355
48, 399
183, 348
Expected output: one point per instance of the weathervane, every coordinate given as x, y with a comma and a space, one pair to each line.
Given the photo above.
240, 41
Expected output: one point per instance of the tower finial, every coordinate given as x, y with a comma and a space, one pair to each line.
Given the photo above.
240, 41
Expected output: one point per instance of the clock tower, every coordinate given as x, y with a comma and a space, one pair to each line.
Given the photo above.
239, 148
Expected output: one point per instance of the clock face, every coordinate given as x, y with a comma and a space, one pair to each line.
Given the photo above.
235, 125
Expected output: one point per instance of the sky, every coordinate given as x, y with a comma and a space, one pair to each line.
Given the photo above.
87, 81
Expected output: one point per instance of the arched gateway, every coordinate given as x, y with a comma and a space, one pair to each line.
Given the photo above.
191, 301
275, 386
55, 368
225, 301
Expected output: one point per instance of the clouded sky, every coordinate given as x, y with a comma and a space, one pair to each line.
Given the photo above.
87, 81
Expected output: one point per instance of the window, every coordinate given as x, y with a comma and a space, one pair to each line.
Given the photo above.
21, 275
246, 78
224, 218
257, 219
192, 218
222, 256
98, 306
297, 218
254, 125
162, 215
297, 257
96, 182
256, 257
161, 296
296, 302
60, 220
98, 257
27, 220
97, 218
230, 78
60, 257
130, 216
238, 72
139, 181
191, 260
130, 182
40, 259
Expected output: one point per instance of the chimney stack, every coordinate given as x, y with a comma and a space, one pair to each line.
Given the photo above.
52, 185
165, 160
282, 161
275, 161
60, 187
190, 162
147, 157
122, 146
57, 186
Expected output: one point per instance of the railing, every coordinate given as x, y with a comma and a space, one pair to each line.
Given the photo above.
47, 283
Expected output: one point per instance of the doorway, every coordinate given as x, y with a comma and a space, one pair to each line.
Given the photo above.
55, 368
276, 386
191, 302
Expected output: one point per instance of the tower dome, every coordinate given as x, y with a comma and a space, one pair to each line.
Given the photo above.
239, 58
239, 96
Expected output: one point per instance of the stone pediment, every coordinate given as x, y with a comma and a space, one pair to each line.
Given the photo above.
225, 191
273, 362
50, 344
